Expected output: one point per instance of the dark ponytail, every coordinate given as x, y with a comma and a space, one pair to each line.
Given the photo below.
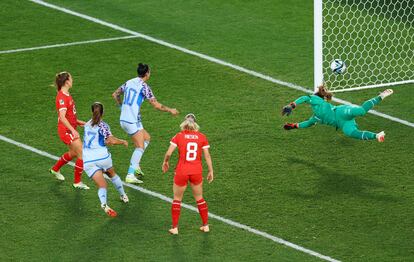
142, 69
61, 79
324, 93
97, 112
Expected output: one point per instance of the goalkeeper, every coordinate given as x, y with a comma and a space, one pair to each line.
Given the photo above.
341, 117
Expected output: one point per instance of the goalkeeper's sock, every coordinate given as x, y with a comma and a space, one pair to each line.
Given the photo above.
363, 135
368, 105
175, 212
63, 160
203, 210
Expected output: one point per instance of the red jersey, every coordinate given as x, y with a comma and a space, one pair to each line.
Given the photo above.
190, 145
65, 101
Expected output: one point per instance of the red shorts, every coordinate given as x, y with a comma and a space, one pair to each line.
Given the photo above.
65, 135
181, 179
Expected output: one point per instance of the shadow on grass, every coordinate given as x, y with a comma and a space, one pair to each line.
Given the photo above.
334, 183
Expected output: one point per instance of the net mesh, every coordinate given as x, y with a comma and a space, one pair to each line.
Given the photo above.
375, 38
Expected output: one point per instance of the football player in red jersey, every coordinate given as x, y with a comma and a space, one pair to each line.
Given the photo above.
67, 123
190, 143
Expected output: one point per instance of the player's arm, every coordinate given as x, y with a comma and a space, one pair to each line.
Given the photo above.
80, 122
287, 110
157, 105
207, 157
117, 95
65, 122
111, 140
165, 164
304, 124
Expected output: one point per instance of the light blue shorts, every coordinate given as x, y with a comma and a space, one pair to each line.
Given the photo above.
131, 128
92, 167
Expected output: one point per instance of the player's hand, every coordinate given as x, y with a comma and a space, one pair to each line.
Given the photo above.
174, 112
287, 110
75, 134
125, 143
165, 167
290, 126
210, 177
81, 123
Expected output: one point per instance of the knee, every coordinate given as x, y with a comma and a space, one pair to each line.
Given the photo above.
359, 111
348, 131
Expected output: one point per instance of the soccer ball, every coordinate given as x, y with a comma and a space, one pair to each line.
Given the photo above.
338, 66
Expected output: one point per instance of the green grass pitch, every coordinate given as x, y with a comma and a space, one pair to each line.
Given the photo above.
347, 199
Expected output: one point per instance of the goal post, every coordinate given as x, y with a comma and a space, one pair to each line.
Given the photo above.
375, 39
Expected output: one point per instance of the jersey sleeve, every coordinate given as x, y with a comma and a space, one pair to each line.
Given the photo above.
61, 103
147, 92
104, 129
174, 140
204, 143
302, 99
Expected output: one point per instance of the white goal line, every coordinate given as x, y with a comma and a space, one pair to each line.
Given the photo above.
167, 199
206, 57
67, 44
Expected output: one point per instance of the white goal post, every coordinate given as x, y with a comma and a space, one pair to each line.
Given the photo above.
375, 39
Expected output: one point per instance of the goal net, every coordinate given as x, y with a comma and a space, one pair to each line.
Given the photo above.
375, 39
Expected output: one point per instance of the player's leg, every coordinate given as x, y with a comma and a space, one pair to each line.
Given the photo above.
147, 139
66, 138
197, 188
134, 130
75, 149
63, 160
117, 182
350, 129
179, 186
354, 111
100, 182
138, 171
134, 166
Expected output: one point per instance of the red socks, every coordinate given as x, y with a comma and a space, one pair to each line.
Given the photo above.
78, 170
175, 212
176, 209
64, 159
203, 210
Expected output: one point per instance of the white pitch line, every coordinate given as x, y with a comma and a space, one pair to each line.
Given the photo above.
67, 44
167, 199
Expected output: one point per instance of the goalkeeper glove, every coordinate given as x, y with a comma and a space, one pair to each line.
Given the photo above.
287, 110
289, 126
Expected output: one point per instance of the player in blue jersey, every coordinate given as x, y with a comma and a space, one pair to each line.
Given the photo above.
97, 159
135, 91
341, 117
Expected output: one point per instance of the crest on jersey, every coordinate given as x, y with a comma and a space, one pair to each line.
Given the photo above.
61, 102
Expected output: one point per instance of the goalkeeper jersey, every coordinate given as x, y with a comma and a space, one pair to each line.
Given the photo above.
322, 110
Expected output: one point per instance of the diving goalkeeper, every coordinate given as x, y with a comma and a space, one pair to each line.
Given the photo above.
341, 117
